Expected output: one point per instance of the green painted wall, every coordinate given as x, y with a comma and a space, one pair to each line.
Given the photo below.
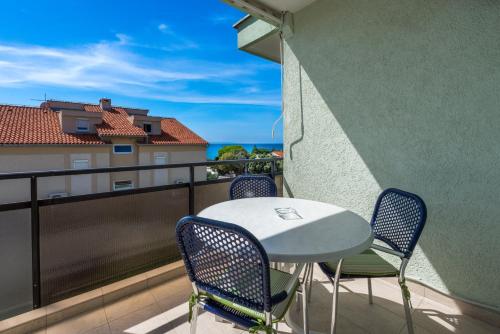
403, 93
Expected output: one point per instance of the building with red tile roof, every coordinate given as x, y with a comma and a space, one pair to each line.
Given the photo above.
66, 135
43, 125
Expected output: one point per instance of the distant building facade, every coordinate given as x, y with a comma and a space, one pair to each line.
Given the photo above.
69, 135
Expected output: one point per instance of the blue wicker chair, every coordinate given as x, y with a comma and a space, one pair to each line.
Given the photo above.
397, 221
230, 275
246, 186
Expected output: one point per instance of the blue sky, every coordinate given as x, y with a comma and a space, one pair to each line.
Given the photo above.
176, 58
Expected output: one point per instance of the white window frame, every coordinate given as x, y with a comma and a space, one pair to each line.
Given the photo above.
160, 175
130, 187
87, 130
163, 155
79, 161
150, 125
123, 153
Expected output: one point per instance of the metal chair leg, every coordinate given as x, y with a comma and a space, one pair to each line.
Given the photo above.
335, 282
194, 320
370, 296
409, 321
311, 273
406, 303
306, 274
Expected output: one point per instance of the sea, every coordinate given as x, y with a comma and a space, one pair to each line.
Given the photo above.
213, 149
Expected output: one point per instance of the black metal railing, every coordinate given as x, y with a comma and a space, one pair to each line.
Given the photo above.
34, 204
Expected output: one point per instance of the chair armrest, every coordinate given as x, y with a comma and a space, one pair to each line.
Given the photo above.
387, 250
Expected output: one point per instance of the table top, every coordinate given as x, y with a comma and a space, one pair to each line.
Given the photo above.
324, 232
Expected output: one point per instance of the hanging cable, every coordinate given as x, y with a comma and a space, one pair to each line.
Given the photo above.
282, 78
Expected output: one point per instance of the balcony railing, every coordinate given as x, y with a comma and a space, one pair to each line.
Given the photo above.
79, 243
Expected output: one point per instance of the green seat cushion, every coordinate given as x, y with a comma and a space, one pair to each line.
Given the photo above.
279, 282
366, 264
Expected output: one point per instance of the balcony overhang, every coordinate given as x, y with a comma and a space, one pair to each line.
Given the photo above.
258, 37
258, 32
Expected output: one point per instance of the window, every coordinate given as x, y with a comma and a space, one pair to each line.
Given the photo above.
123, 185
160, 176
80, 164
82, 125
122, 149
146, 127
160, 158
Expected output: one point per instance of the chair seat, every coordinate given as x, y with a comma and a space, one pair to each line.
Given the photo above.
366, 264
279, 283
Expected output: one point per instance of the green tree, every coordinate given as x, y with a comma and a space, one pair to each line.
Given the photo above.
231, 148
234, 152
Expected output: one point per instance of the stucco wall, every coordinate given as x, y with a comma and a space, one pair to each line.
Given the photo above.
175, 154
31, 158
403, 94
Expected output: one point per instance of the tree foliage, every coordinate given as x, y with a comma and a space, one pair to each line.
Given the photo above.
236, 152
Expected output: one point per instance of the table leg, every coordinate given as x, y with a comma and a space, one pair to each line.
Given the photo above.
335, 296
305, 313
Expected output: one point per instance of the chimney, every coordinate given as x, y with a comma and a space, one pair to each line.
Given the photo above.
105, 104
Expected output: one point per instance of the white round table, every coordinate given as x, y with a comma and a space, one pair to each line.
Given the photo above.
323, 233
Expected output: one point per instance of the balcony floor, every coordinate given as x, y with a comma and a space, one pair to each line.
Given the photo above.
163, 309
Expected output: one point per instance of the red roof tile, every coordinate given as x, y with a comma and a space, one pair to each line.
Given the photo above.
174, 132
116, 123
278, 154
32, 125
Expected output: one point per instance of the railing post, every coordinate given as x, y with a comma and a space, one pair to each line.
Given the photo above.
273, 168
246, 167
191, 190
35, 243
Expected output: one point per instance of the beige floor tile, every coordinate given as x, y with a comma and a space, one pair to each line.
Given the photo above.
151, 321
438, 318
39, 331
124, 288
137, 319
81, 323
350, 318
104, 329
420, 330
177, 289
385, 294
208, 325
128, 305
373, 318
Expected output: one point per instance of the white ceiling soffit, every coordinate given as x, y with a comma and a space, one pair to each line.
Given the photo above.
286, 5
269, 10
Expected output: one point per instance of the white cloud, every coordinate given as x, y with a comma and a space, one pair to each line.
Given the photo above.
123, 39
175, 41
223, 19
163, 27
112, 67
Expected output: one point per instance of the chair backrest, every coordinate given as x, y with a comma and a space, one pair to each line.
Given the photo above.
246, 186
398, 219
225, 260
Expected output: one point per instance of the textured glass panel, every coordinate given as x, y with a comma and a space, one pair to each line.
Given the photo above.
85, 245
15, 263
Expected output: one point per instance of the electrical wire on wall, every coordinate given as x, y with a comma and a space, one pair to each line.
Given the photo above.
276, 122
